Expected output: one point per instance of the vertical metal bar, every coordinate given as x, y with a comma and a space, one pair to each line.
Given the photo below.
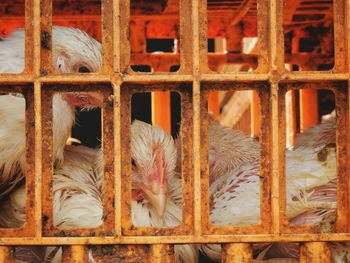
315, 252
30, 160
117, 163
342, 135
75, 254
277, 160
108, 179
162, 253
125, 104
339, 16
236, 252
266, 181
263, 36
38, 127
29, 36
116, 36
6, 255
185, 36
199, 28
276, 60
124, 31
107, 35
47, 159
46, 37
276, 46
187, 160
200, 36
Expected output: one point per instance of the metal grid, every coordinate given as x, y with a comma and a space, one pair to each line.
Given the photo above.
193, 80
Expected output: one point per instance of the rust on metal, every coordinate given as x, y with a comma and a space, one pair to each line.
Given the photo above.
75, 254
188, 22
315, 252
237, 252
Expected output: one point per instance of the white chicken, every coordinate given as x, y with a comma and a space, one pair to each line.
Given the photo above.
73, 51
310, 196
77, 200
78, 188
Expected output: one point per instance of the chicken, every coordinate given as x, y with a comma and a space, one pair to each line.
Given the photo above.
310, 177
227, 149
156, 187
73, 51
78, 189
77, 200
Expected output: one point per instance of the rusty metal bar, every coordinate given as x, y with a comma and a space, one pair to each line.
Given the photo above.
185, 37
46, 37
29, 36
161, 77
315, 252
263, 33
124, 31
107, 35
117, 160
108, 147
276, 39
199, 63
75, 254
200, 36
162, 253
116, 36
342, 157
6, 255
277, 159
176, 239
237, 252
340, 55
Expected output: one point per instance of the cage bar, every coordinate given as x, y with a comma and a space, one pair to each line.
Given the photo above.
194, 80
237, 252
75, 254
315, 252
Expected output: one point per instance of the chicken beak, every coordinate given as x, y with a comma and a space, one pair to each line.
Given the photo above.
157, 195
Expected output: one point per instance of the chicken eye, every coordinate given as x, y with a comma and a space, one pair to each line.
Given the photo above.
133, 163
83, 69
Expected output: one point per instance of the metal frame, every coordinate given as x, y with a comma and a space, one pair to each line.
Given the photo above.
116, 78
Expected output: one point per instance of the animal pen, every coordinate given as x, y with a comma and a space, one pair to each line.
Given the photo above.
297, 49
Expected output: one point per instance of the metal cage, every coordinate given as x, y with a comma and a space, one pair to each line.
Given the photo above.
193, 81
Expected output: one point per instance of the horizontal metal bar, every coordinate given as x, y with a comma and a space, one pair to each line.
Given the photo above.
171, 239
166, 77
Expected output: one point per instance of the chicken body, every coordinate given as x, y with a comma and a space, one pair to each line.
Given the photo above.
73, 50
310, 196
77, 203
78, 192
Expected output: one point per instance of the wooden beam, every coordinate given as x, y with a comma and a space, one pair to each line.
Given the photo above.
213, 103
161, 115
255, 113
308, 108
291, 123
